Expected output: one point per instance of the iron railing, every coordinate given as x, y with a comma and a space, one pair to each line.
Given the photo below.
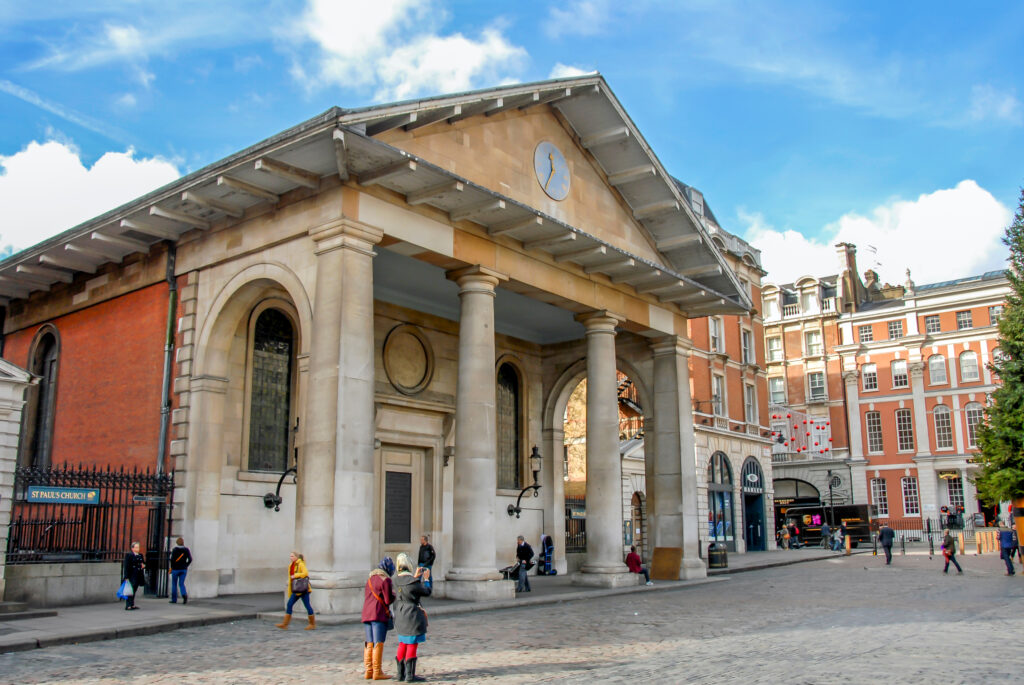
131, 506
575, 524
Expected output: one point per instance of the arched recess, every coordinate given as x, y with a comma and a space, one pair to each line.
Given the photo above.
513, 392
41, 398
752, 487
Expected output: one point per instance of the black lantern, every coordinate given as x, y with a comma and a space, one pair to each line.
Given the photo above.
535, 464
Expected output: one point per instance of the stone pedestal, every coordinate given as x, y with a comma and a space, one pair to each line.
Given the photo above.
203, 530
473, 575
604, 467
335, 500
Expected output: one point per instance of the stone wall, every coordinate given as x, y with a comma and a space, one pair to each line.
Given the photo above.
13, 382
57, 585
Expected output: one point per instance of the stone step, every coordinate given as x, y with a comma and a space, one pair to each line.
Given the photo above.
11, 607
30, 613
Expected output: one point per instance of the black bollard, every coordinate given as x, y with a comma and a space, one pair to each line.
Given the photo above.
903, 545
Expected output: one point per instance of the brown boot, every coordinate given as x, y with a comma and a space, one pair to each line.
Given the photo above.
368, 659
378, 660
283, 625
312, 622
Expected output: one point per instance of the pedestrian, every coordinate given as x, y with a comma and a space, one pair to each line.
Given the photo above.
410, 618
1006, 548
794, 535
524, 555
298, 588
377, 617
181, 558
134, 571
886, 535
547, 556
633, 562
949, 552
837, 540
784, 537
826, 535
427, 555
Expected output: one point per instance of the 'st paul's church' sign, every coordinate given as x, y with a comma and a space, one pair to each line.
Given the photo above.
53, 495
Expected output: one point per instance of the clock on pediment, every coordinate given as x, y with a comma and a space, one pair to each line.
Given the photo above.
552, 170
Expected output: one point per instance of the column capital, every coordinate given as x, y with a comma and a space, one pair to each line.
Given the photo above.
345, 233
600, 321
476, 278
850, 377
916, 369
672, 345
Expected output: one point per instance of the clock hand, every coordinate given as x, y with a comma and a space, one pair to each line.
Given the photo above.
551, 159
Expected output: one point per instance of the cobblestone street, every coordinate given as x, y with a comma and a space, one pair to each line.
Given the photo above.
834, 621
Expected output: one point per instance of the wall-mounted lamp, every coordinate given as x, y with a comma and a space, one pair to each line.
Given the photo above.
535, 464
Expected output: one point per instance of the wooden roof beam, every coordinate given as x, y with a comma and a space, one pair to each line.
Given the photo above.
378, 127
515, 225
67, 261
689, 296
44, 272
606, 137
386, 173
14, 290
150, 229
425, 119
97, 252
119, 242
702, 270
210, 203
660, 287
476, 210
637, 173
248, 188
287, 172
618, 264
677, 241
340, 153
550, 241
582, 255
551, 96
637, 276
419, 197
33, 282
654, 209
179, 217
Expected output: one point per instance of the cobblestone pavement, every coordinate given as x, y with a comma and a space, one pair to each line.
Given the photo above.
842, 620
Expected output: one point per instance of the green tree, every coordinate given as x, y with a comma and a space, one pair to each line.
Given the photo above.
1001, 437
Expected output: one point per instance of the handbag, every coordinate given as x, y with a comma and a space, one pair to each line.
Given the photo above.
387, 610
300, 585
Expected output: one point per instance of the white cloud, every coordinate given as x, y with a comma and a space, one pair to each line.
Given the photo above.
988, 103
29, 178
566, 70
946, 234
126, 101
397, 50
578, 18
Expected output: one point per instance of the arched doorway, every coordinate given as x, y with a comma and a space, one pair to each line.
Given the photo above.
752, 486
720, 501
638, 517
790, 492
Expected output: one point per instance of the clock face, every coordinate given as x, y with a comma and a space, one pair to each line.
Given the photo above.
552, 171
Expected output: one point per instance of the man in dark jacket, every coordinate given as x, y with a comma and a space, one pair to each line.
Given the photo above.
885, 538
426, 557
181, 559
1006, 548
524, 553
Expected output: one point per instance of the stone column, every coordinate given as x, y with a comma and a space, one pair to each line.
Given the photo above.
474, 574
920, 412
675, 475
850, 378
335, 502
604, 566
553, 492
12, 393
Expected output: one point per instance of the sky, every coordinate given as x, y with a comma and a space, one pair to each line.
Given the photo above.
898, 127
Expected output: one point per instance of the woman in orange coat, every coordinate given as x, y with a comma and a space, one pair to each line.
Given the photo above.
296, 571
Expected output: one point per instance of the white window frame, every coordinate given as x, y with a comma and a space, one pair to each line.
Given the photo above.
955, 492
994, 314
718, 391
812, 343
879, 496
942, 417
715, 334
895, 327
932, 319
904, 430
911, 496
811, 386
747, 345
937, 361
870, 337
975, 375
900, 377
873, 427
964, 320
869, 376
973, 415
750, 403
777, 398
775, 351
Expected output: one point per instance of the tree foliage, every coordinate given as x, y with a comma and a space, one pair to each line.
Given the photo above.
1001, 437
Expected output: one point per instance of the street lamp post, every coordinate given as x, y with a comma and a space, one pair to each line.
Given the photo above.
535, 461
831, 502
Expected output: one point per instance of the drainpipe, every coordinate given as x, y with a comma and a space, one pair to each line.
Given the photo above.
165, 388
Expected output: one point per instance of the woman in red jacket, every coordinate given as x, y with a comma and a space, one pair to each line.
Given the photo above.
378, 597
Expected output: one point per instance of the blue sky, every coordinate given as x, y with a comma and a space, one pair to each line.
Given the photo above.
896, 126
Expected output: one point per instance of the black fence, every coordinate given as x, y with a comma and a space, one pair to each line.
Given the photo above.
81, 515
575, 524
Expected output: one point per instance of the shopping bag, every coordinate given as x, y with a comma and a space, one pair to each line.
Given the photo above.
125, 591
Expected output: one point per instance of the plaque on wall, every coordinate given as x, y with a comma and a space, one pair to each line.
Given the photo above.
397, 507
408, 359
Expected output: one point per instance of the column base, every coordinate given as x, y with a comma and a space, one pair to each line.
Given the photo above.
479, 590
203, 584
693, 569
615, 579
336, 593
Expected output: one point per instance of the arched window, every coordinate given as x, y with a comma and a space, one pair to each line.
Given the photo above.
42, 403
973, 412
720, 501
937, 369
943, 428
271, 388
509, 413
969, 366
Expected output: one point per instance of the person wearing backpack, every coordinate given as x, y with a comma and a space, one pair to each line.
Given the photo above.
181, 558
949, 552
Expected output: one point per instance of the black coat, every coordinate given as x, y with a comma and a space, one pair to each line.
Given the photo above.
409, 616
131, 569
524, 552
181, 557
885, 536
427, 555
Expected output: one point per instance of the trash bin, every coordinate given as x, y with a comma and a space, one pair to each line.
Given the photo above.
717, 557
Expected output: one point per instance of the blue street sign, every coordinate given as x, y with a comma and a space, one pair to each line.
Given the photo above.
52, 495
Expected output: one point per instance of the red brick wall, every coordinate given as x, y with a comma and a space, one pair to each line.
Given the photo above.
108, 383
